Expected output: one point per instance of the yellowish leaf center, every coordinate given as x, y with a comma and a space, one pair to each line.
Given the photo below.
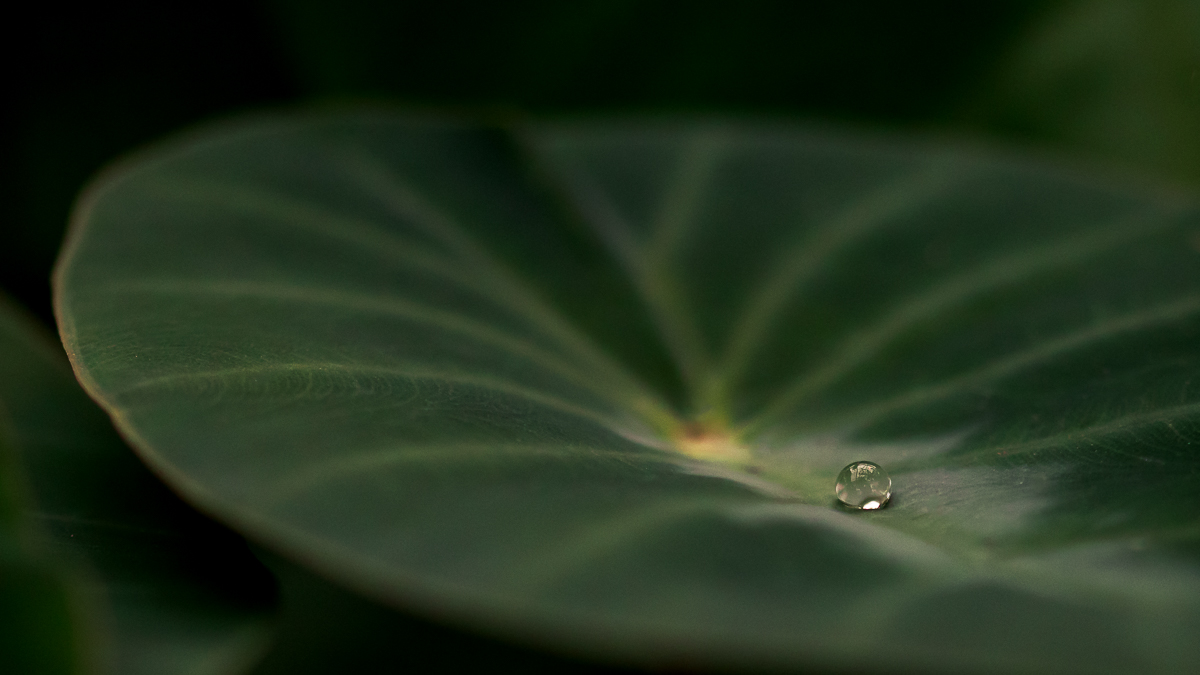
703, 442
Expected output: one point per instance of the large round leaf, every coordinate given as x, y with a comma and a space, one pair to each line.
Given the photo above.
590, 384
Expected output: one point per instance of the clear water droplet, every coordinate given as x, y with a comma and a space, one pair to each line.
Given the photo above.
864, 485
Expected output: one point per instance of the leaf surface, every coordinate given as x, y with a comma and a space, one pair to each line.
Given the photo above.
589, 384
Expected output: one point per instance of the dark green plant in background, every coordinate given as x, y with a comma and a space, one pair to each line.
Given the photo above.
481, 372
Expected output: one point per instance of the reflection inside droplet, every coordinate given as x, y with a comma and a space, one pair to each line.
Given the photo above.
863, 485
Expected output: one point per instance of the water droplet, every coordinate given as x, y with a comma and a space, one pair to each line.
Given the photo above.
864, 485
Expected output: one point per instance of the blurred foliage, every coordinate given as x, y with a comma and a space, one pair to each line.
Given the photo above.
1115, 80
882, 61
36, 603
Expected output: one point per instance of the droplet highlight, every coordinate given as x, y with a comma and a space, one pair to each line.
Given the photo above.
864, 485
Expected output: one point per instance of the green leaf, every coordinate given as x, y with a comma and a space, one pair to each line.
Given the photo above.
590, 384
164, 590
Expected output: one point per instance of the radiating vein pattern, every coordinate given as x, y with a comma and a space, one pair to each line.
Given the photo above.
473, 270
663, 291
947, 293
1111, 329
607, 383
314, 380
341, 468
802, 262
478, 370
1097, 435
474, 259
650, 259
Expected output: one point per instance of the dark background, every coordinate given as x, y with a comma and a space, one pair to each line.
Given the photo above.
1112, 83
88, 82
1110, 80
